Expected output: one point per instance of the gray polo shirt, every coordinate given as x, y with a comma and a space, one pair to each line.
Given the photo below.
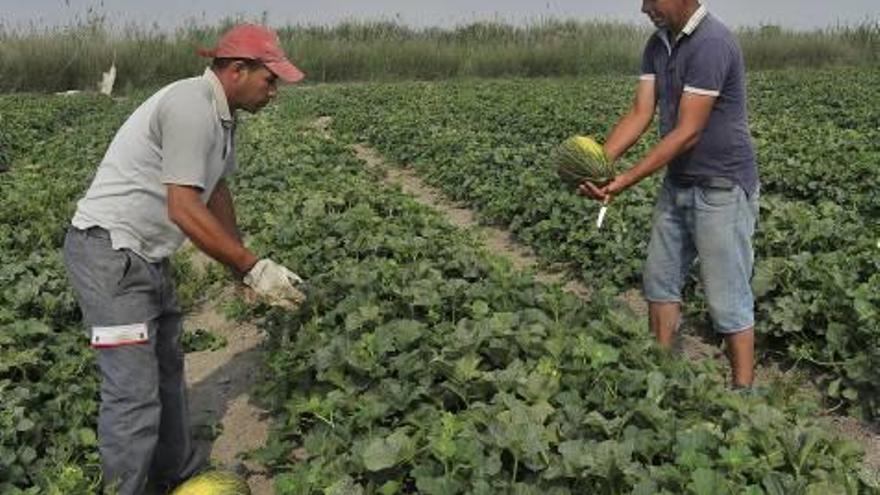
705, 59
184, 135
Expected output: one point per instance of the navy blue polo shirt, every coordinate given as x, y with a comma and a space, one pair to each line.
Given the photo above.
705, 59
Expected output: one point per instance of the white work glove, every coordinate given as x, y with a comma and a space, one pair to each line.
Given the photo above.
275, 283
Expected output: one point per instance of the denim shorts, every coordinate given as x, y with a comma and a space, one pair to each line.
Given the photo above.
715, 226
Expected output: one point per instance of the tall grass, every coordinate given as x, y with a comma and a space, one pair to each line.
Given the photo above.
772, 47
73, 57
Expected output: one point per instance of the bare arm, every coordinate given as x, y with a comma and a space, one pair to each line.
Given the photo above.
632, 125
221, 205
208, 231
628, 130
693, 115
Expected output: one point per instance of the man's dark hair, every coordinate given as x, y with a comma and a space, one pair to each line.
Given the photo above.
222, 63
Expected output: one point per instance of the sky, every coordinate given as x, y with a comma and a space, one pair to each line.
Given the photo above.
168, 14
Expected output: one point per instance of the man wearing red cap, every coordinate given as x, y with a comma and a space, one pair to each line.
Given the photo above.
161, 181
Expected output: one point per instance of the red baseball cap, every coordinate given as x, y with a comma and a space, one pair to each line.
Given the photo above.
256, 42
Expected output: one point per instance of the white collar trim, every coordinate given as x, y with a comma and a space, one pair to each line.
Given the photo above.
692, 24
694, 21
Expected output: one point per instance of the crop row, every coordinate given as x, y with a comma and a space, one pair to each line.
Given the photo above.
422, 364
817, 282
48, 389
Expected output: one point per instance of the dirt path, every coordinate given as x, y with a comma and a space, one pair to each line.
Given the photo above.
692, 341
220, 387
501, 242
496, 240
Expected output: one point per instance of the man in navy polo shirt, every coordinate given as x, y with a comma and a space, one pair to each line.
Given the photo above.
693, 69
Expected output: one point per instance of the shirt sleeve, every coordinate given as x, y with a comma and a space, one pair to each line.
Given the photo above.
648, 73
707, 68
187, 131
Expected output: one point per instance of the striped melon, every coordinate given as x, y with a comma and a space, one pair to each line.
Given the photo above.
579, 159
214, 483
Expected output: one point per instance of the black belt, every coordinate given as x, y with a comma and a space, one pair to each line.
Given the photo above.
703, 181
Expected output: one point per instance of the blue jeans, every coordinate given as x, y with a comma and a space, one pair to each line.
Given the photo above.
715, 226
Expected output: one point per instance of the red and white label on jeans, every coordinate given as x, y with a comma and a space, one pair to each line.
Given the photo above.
115, 336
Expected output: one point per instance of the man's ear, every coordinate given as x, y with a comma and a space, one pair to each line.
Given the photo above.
238, 68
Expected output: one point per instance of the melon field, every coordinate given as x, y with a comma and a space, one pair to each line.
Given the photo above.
425, 362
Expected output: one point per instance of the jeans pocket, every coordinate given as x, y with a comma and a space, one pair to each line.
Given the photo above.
665, 201
711, 198
135, 274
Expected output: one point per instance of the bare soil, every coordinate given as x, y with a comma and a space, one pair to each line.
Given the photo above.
228, 422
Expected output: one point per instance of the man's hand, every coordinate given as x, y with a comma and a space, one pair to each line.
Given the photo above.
604, 193
616, 186
591, 190
276, 284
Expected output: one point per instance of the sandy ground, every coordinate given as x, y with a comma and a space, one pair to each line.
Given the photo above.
220, 387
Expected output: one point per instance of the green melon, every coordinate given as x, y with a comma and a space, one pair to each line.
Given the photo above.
580, 159
214, 483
